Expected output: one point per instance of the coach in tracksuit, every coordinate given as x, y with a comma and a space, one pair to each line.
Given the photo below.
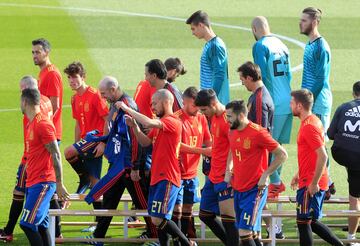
345, 131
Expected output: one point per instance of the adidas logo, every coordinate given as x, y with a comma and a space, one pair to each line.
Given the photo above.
354, 112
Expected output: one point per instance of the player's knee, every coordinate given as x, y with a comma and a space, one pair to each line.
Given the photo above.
245, 233
227, 218
187, 208
303, 221
70, 153
205, 216
18, 195
156, 221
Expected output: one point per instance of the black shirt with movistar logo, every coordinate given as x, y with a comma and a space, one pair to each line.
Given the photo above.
345, 126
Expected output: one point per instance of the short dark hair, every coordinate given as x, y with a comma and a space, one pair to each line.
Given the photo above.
250, 69
156, 66
75, 68
304, 97
199, 17
43, 42
314, 13
175, 63
237, 106
31, 96
356, 88
204, 97
190, 92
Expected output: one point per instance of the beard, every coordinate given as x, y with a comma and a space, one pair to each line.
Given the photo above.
307, 30
295, 113
235, 124
160, 114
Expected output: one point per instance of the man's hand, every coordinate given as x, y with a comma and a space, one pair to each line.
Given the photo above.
135, 175
62, 192
99, 150
131, 122
122, 105
313, 188
294, 182
263, 181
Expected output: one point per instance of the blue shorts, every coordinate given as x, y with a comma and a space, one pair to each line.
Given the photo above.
212, 194
309, 207
248, 207
21, 178
85, 149
162, 197
282, 128
189, 191
37, 203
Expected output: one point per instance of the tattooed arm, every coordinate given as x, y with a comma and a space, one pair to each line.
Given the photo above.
53, 149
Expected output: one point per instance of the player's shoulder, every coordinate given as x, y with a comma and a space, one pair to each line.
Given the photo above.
179, 113
52, 69
255, 127
92, 90
312, 123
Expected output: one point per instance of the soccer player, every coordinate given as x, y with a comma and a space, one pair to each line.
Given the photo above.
195, 135
43, 169
217, 195
273, 58
6, 234
122, 153
248, 168
156, 74
165, 170
214, 59
312, 178
316, 72
50, 85
90, 112
260, 104
50, 81
345, 149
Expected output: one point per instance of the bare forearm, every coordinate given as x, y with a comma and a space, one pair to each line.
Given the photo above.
280, 156
187, 149
77, 132
54, 151
141, 137
320, 165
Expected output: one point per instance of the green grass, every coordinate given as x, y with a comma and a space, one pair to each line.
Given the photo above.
120, 45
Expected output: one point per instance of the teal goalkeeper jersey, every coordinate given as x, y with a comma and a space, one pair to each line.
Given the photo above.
316, 74
272, 56
214, 69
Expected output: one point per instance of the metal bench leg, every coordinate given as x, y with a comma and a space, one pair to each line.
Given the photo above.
272, 231
279, 220
52, 229
126, 229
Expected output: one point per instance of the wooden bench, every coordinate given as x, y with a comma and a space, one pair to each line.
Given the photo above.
266, 214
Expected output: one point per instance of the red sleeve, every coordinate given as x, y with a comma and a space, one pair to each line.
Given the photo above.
266, 141
169, 124
313, 136
52, 83
73, 108
101, 106
46, 132
205, 126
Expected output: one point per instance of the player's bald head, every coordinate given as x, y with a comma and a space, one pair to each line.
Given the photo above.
260, 26
28, 82
164, 95
109, 82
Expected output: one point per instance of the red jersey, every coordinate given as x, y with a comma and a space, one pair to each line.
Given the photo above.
250, 149
310, 138
195, 131
89, 110
50, 85
220, 147
166, 145
142, 97
45, 109
39, 167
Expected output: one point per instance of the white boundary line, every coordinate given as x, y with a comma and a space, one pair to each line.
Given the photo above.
106, 11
